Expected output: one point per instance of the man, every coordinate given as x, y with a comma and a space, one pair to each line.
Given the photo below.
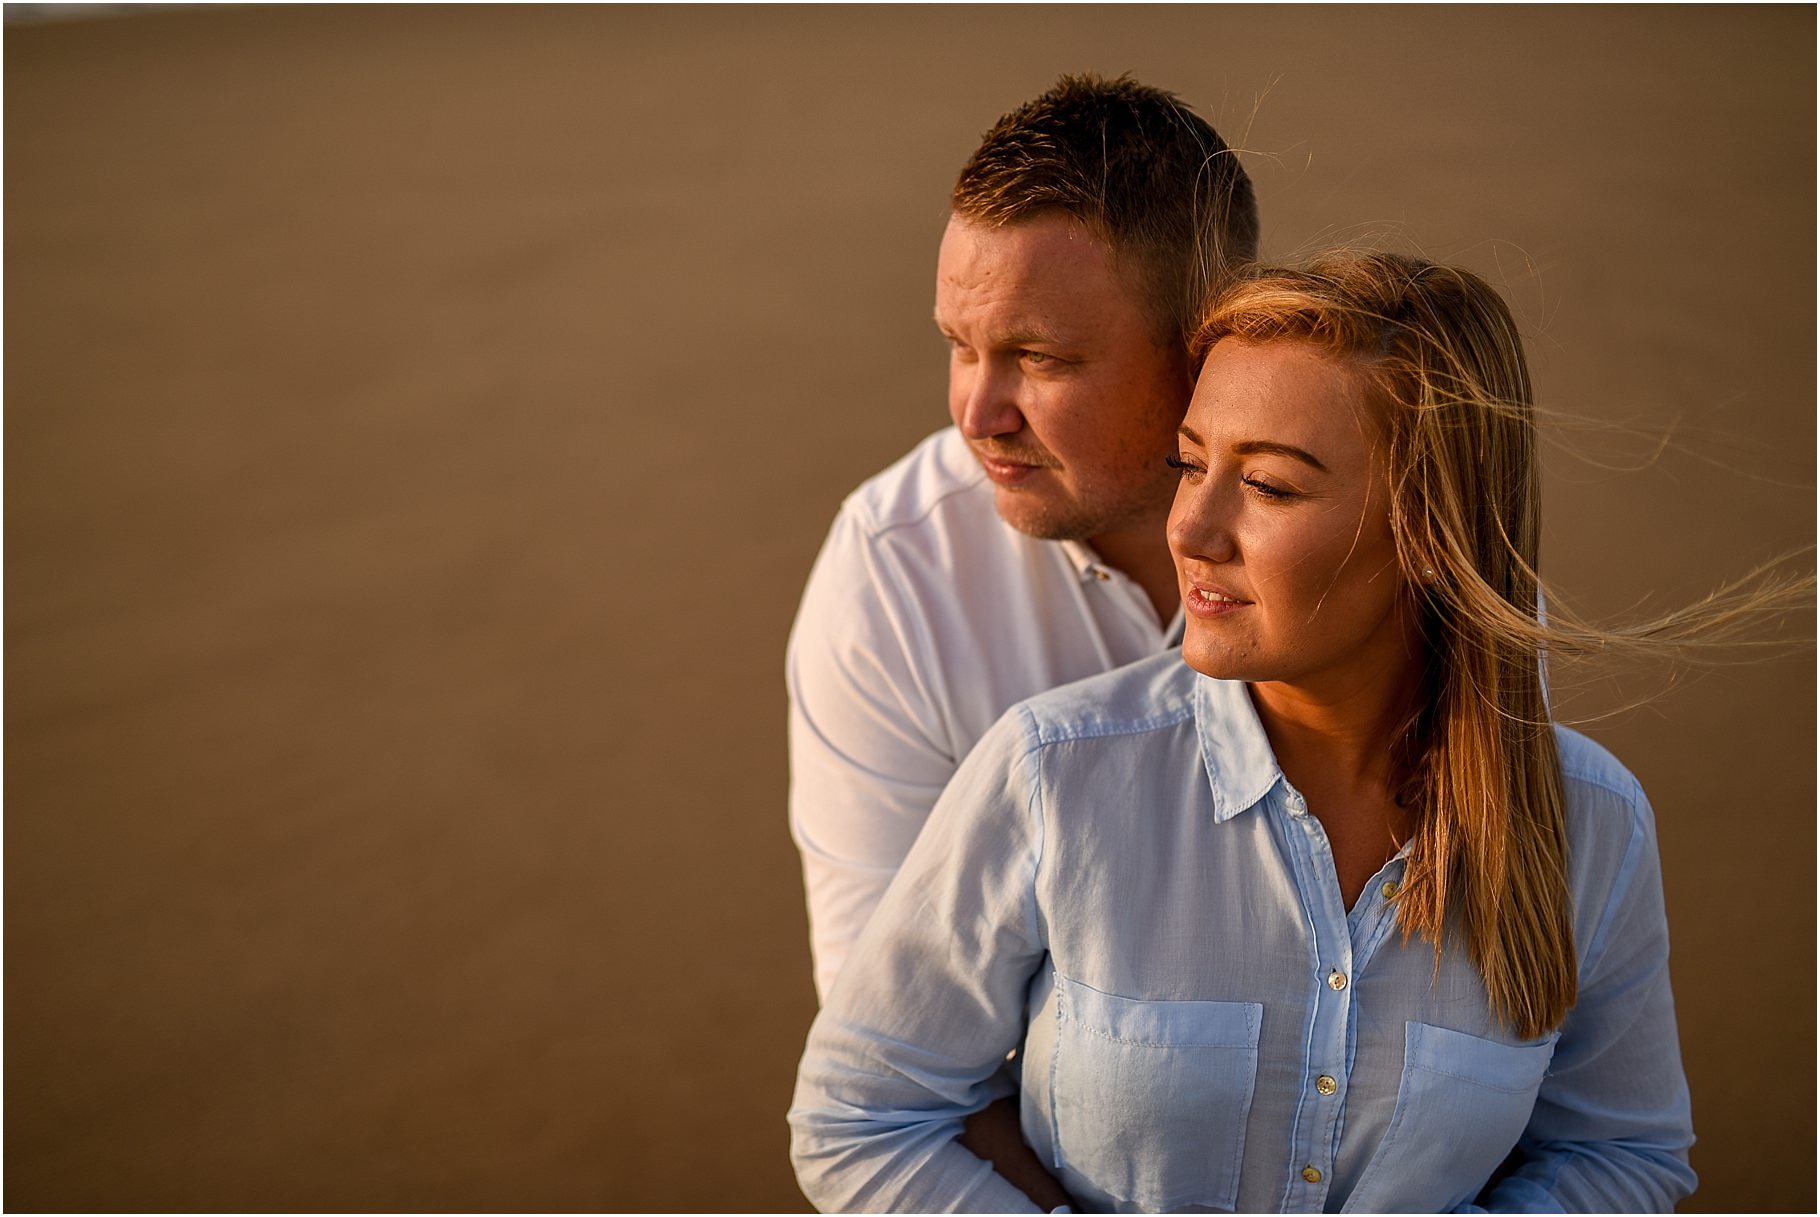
1022, 548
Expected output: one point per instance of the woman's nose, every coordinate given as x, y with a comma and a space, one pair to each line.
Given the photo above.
1200, 526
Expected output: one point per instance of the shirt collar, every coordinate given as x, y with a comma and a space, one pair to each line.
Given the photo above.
1086, 562
1241, 768
1089, 568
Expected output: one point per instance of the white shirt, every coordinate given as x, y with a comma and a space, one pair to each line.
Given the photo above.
926, 617
1121, 881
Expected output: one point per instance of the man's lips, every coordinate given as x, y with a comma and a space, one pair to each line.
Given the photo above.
1011, 467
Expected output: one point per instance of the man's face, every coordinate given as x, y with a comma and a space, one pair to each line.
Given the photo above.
1058, 379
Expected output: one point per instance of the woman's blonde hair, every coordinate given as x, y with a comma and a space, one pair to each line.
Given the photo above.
1445, 370
1445, 374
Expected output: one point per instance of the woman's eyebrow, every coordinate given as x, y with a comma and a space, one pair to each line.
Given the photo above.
1252, 447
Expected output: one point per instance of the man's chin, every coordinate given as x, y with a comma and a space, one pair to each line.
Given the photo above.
1042, 520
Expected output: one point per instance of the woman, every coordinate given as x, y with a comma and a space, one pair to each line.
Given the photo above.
1321, 913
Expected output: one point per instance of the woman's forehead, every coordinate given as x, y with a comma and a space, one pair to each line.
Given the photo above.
1286, 391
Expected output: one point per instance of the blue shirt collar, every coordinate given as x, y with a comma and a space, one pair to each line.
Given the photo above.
1241, 768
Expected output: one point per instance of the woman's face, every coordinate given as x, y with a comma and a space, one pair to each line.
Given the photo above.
1281, 525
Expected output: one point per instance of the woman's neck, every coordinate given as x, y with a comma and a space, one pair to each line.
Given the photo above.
1338, 746
1349, 738
1339, 731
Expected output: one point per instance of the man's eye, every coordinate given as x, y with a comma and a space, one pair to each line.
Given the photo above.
1037, 357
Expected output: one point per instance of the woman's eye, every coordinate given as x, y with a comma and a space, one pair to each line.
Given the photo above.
1259, 486
1185, 468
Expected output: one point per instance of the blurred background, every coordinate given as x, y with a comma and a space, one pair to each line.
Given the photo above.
420, 421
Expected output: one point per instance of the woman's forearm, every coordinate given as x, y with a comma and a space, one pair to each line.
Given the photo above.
871, 1139
914, 1035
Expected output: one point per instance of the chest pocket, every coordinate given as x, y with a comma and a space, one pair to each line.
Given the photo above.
1463, 1103
1149, 1098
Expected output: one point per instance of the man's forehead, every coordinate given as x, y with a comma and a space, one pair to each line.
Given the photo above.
1047, 276
1026, 246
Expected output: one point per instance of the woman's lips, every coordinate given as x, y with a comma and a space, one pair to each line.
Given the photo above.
1211, 602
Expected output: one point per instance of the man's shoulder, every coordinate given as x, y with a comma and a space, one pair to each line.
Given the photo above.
935, 485
918, 553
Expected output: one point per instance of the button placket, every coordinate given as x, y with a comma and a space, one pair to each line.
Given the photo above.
1337, 1019
1320, 1112
1364, 933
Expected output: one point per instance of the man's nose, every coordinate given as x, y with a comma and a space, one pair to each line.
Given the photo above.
985, 404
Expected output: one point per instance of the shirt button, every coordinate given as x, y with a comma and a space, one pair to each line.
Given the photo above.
1389, 890
1325, 1084
1311, 1174
1336, 981
1101, 575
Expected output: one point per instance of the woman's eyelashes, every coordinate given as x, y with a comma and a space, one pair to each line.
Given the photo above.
1257, 483
1268, 489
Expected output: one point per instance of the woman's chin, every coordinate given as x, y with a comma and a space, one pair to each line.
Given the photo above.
1221, 663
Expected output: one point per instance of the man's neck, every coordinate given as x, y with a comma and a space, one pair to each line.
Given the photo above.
1142, 554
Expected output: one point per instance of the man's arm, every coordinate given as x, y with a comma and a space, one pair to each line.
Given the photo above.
867, 763
996, 1134
868, 753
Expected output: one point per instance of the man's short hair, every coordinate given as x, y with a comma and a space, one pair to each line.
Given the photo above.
1139, 169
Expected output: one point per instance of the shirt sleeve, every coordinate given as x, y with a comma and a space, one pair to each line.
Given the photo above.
1612, 1124
868, 746
928, 1005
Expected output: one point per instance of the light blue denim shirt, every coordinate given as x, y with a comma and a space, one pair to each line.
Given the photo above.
1120, 882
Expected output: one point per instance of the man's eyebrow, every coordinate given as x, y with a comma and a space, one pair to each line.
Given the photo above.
1012, 338
1253, 447
1028, 338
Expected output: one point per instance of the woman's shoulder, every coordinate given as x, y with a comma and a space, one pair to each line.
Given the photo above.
1594, 778
1152, 693
1611, 830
